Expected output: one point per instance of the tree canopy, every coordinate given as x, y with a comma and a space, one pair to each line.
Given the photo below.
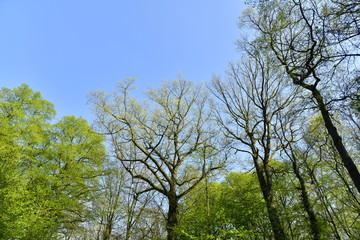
268, 150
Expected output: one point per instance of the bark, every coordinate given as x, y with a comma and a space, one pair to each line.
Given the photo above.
337, 140
107, 231
172, 220
267, 191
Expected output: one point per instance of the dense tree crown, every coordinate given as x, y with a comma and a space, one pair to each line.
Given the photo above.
48, 168
269, 150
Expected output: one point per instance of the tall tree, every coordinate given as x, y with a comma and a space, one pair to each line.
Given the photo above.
251, 98
291, 133
317, 43
47, 170
24, 118
169, 144
333, 186
73, 161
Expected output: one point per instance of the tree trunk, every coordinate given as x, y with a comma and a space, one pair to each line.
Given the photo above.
338, 143
172, 220
108, 228
267, 191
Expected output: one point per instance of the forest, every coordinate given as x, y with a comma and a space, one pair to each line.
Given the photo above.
268, 150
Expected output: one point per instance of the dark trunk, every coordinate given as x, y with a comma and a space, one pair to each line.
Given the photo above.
172, 220
267, 191
107, 232
338, 143
108, 226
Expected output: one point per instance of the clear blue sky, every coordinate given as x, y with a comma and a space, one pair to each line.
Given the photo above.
66, 48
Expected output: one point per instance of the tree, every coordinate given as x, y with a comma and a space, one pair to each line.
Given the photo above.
24, 118
333, 186
290, 131
251, 98
117, 208
169, 144
47, 170
317, 43
73, 162
327, 201
230, 209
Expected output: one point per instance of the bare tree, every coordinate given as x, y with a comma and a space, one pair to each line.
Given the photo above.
108, 202
254, 93
167, 142
116, 207
317, 43
290, 134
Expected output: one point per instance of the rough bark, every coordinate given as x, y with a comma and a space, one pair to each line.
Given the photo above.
172, 220
267, 191
337, 140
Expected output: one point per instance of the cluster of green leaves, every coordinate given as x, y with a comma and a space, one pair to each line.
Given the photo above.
231, 209
47, 169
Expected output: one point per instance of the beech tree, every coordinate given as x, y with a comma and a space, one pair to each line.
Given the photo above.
167, 142
24, 118
47, 170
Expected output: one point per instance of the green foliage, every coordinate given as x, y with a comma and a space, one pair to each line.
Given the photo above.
46, 170
232, 209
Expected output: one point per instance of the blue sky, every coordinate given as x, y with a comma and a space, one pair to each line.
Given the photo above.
66, 48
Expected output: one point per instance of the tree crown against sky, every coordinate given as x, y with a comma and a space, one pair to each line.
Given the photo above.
296, 82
